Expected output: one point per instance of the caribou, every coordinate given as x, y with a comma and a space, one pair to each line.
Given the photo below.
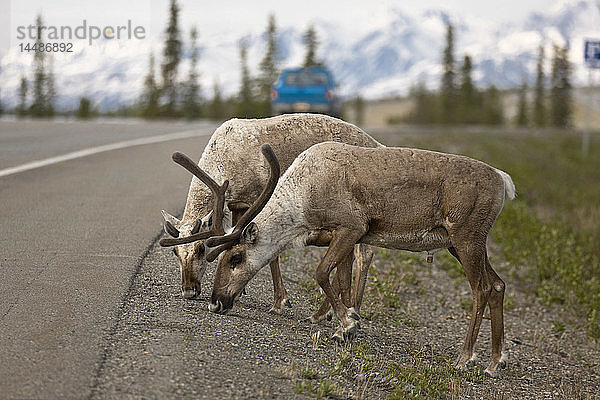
339, 195
231, 175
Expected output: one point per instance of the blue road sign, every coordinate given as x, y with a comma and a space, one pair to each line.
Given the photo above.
591, 53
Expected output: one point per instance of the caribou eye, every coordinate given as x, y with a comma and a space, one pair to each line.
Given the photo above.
174, 251
210, 221
235, 260
200, 250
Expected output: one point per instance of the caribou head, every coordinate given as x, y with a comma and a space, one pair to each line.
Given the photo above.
187, 236
235, 268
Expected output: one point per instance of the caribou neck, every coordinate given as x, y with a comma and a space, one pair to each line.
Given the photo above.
199, 201
280, 227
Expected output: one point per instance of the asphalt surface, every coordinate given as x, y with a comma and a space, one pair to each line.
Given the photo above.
164, 346
73, 236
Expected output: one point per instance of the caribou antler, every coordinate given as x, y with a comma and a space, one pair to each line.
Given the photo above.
226, 242
218, 192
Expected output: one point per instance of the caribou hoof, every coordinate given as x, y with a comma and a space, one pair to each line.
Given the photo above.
278, 306
315, 318
189, 294
464, 362
309, 320
492, 374
503, 364
329, 315
275, 311
343, 336
217, 308
339, 337
346, 334
494, 370
354, 315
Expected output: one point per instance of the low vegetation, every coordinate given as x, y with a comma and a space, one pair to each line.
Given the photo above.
549, 238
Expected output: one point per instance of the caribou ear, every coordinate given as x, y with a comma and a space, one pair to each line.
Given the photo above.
250, 233
171, 219
172, 224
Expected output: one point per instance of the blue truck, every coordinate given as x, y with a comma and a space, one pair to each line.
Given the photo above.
310, 89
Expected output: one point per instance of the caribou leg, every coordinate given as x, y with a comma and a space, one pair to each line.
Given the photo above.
279, 293
341, 286
339, 251
472, 255
496, 303
325, 311
363, 255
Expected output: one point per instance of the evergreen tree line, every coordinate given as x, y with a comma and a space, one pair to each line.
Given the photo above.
254, 98
460, 101
37, 95
172, 98
551, 106
169, 96
457, 101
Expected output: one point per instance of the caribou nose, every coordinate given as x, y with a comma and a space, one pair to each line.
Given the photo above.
215, 307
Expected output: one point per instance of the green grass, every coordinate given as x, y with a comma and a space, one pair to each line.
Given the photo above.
550, 236
312, 388
308, 373
431, 378
306, 381
420, 375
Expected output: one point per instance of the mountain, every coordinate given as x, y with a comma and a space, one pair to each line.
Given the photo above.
385, 57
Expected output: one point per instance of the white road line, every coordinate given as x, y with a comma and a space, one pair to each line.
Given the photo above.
101, 149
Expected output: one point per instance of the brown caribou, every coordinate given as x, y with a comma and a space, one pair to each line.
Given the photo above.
232, 154
399, 198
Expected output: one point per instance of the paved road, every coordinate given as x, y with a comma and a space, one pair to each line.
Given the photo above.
73, 235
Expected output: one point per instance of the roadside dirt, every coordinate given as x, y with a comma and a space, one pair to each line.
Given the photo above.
163, 346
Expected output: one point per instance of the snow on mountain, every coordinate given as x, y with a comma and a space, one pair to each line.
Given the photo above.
383, 57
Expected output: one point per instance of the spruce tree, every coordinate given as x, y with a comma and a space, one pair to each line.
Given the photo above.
448, 85
245, 104
359, 110
522, 114
50, 89
216, 108
38, 103
426, 109
419, 93
191, 98
22, 107
150, 94
561, 105
268, 68
493, 111
539, 107
468, 110
171, 59
84, 110
311, 41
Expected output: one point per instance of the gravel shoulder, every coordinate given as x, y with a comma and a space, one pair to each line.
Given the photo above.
163, 346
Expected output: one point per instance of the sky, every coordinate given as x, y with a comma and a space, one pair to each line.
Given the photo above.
238, 17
